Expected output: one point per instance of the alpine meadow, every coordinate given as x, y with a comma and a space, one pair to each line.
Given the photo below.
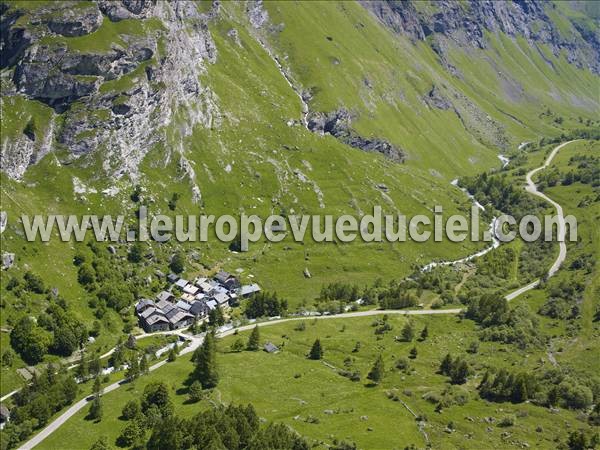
300, 224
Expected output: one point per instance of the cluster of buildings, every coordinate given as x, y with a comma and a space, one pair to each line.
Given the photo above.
186, 301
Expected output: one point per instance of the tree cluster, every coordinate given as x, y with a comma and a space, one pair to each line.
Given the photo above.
265, 304
457, 369
56, 331
508, 386
35, 403
339, 291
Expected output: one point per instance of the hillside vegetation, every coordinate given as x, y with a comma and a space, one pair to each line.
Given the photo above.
297, 108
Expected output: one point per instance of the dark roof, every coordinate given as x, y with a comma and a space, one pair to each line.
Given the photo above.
156, 318
150, 311
172, 277
232, 284
223, 276
271, 348
143, 303
198, 308
165, 306
179, 316
171, 313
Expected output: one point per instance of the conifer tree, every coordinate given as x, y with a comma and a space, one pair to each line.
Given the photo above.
459, 371
408, 332
82, 368
413, 353
96, 409
95, 412
195, 392
377, 371
133, 371
424, 333
254, 340
446, 365
316, 352
144, 369
206, 363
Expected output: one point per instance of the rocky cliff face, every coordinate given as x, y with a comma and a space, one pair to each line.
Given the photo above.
117, 97
466, 23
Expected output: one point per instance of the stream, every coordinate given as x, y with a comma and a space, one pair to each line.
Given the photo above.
288, 79
495, 242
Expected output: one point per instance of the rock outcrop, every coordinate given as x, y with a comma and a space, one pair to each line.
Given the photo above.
127, 9
76, 21
116, 97
338, 124
466, 23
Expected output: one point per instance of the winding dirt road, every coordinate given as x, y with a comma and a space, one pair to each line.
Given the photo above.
196, 341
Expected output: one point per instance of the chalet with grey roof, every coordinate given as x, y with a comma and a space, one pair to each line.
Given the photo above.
165, 295
249, 289
181, 283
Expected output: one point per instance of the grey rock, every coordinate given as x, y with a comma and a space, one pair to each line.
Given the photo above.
8, 260
338, 124
13, 40
234, 35
37, 77
3, 221
76, 21
133, 120
126, 9
435, 99
257, 14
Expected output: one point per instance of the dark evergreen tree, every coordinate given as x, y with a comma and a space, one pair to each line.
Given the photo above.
215, 317
206, 371
446, 365
413, 353
459, 371
316, 351
177, 264
254, 340
101, 444
136, 252
195, 392
133, 371
157, 394
408, 332
95, 412
144, 369
132, 435
377, 371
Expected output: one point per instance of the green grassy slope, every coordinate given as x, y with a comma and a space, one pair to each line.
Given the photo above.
315, 401
250, 162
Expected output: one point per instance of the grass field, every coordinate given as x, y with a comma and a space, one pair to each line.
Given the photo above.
287, 387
